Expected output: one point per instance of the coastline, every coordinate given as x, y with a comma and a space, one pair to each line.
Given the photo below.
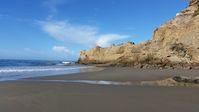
122, 74
31, 96
21, 72
119, 69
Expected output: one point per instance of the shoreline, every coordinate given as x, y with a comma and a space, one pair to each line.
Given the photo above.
24, 72
156, 79
44, 96
94, 75
123, 74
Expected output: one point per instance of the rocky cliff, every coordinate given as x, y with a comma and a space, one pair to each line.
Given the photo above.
174, 43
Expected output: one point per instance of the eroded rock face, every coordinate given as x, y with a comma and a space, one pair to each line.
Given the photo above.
193, 2
175, 42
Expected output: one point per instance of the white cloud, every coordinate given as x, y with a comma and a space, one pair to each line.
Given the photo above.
69, 33
105, 40
74, 33
61, 49
78, 34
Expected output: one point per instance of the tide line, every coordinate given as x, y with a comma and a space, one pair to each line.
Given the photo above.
92, 82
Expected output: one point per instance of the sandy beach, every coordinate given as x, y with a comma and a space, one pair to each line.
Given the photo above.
99, 56
31, 95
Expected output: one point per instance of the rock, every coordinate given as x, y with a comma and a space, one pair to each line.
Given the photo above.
193, 2
196, 81
178, 79
182, 79
174, 45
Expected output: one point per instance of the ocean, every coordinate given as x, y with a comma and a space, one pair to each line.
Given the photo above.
20, 69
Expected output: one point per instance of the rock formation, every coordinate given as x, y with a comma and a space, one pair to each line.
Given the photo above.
173, 43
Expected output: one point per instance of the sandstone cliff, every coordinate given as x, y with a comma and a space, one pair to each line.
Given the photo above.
173, 43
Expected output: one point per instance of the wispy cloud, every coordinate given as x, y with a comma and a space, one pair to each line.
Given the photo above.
53, 4
68, 32
78, 34
105, 40
71, 33
62, 49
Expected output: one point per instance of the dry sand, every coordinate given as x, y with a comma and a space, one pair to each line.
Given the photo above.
33, 96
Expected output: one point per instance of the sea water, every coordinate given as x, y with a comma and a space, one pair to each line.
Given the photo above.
20, 69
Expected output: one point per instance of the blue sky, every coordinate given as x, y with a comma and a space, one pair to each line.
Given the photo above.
59, 29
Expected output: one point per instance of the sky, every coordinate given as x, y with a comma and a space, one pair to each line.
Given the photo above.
60, 29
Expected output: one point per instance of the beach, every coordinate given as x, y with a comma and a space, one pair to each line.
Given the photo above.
99, 56
47, 94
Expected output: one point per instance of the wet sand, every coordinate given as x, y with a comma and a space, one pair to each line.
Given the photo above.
30, 95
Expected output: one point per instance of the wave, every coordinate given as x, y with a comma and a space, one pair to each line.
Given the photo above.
9, 63
14, 70
65, 63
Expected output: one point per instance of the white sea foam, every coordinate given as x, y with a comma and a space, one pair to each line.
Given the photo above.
16, 73
20, 69
92, 82
36, 69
